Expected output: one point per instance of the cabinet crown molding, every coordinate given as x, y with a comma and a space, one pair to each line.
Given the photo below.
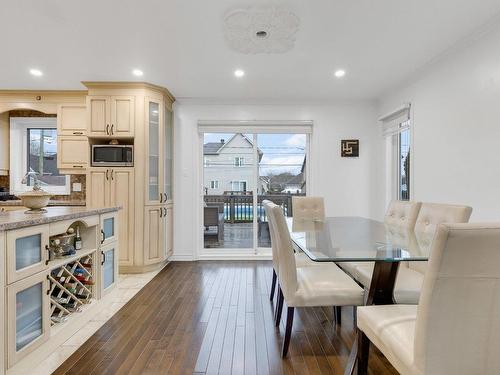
128, 84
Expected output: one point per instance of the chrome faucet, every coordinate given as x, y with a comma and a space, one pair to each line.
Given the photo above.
36, 184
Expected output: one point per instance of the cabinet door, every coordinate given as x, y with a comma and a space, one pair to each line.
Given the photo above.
4, 144
98, 115
154, 119
72, 152
109, 228
109, 267
167, 146
98, 188
28, 320
122, 194
71, 119
168, 230
122, 116
27, 251
153, 235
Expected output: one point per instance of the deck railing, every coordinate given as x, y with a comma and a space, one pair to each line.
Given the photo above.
239, 208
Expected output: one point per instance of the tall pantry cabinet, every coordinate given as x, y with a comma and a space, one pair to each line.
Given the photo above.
138, 114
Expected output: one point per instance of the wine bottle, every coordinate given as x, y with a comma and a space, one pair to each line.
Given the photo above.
78, 239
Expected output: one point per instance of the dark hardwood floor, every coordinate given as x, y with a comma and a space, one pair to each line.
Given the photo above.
215, 317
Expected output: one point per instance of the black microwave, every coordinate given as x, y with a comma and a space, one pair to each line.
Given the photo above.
112, 155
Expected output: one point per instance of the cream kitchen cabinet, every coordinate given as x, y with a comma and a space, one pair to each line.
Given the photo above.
4, 144
168, 232
153, 234
72, 153
115, 187
111, 116
109, 267
72, 120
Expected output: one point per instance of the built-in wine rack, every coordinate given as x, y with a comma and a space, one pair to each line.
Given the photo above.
71, 288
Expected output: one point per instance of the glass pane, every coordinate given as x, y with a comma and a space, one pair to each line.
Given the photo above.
109, 227
282, 175
42, 144
154, 150
29, 315
108, 268
228, 190
404, 165
168, 154
28, 251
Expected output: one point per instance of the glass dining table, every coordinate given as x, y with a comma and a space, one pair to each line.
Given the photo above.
358, 239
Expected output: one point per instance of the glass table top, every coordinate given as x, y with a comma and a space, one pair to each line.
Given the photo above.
357, 239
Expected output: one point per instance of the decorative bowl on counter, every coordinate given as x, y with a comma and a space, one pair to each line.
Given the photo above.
35, 200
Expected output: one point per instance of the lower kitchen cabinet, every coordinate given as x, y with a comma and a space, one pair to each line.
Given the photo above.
153, 234
109, 267
168, 230
28, 316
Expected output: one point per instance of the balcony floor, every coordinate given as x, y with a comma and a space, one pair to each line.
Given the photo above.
237, 236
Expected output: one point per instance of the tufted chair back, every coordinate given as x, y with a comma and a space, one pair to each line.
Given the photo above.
457, 329
287, 266
272, 232
308, 208
429, 217
402, 214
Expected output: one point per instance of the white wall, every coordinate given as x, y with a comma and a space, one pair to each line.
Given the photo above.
351, 186
456, 125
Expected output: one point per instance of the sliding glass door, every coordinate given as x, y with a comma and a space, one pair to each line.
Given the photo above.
240, 170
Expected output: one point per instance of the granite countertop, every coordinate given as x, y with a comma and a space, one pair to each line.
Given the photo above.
51, 203
19, 219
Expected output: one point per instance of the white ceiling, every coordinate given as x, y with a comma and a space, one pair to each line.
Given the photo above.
180, 45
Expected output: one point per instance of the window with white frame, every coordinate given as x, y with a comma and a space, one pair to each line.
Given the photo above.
239, 161
397, 130
214, 184
238, 186
33, 148
206, 162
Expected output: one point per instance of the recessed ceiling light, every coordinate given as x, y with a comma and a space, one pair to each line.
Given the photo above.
262, 34
239, 73
36, 72
137, 72
340, 73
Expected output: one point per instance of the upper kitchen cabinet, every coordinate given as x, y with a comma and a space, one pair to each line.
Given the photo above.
4, 144
111, 116
72, 119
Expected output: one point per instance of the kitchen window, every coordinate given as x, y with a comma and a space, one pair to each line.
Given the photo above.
33, 148
239, 161
214, 184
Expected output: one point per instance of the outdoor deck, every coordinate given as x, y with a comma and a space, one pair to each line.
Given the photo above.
237, 236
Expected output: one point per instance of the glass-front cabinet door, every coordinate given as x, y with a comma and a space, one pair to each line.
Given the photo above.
109, 228
167, 155
28, 316
109, 267
154, 118
27, 252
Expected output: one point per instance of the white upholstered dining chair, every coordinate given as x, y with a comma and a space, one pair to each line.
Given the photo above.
322, 285
308, 208
411, 274
455, 328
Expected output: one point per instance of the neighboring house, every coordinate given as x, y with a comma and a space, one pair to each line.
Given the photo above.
228, 166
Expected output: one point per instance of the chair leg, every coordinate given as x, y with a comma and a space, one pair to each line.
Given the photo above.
273, 285
288, 331
337, 314
363, 351
279, 307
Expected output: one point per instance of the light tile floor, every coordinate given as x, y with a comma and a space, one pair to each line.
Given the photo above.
127, 287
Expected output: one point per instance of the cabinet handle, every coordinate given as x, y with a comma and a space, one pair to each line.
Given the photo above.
103, 236
165, 214
112, 126
107, 176
112, 171
48, 256
77, 166
166, 197
107, 129
103, 258
78, 133
161, 197
161, 212
48, 290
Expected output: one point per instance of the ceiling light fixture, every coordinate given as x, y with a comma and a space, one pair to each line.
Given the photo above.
238, 73
137, 72
36, 72
340, 73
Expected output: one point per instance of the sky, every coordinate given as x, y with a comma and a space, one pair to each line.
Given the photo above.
281, 152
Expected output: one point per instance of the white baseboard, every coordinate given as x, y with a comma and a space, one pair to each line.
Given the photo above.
181, 258
226, 256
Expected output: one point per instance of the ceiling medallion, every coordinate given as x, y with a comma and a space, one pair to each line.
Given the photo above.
261, 30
